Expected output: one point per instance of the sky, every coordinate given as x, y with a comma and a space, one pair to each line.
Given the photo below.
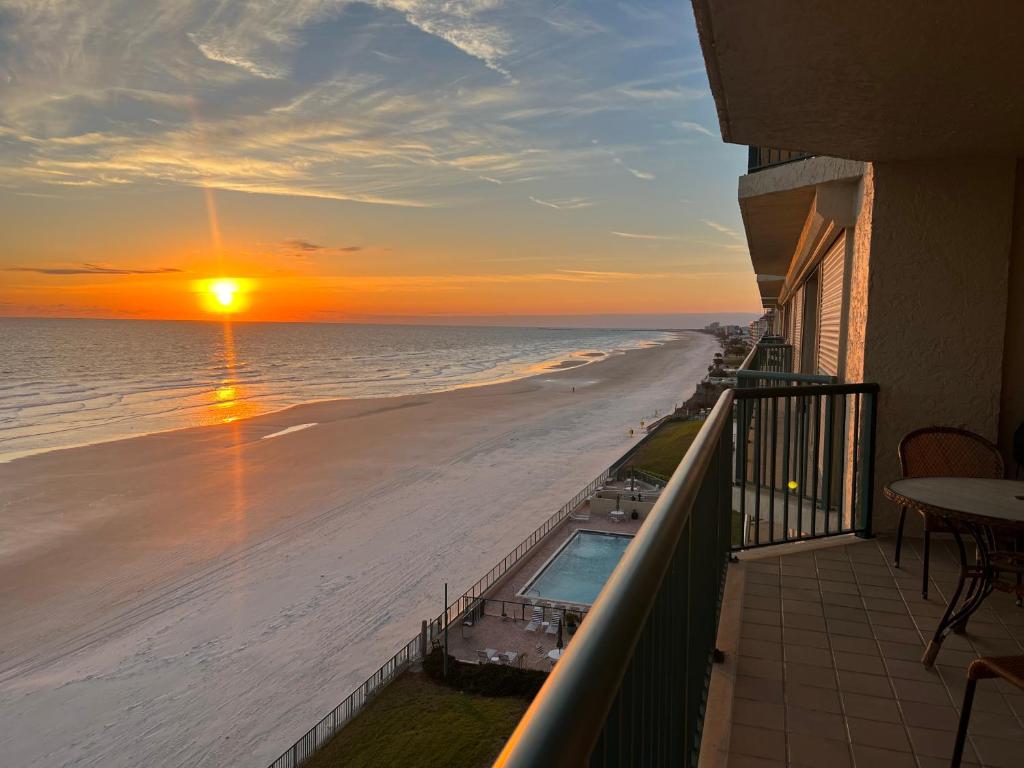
364, 161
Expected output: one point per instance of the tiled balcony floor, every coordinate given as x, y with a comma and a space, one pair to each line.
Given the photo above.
829, 670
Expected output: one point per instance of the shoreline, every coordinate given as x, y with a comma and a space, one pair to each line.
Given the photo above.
219, 592
565, 361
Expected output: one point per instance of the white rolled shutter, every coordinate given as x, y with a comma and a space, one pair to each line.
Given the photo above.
796, 305
830, 315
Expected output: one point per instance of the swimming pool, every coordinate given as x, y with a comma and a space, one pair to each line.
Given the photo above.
578, 570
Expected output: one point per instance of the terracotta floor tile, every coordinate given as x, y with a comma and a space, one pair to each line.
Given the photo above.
760, 632
915, 690
911, 670
933, 743
809, 750
760, 649
902, 651
761, 668
807, 637
849, 628
859, 662
812, 697
758, 689
802, 606
871, 707
998, 753
761, 714
869, 685
761, 603
878, 734
998, 726
897, 635
937, 716
802, 654
749, 761
856, 614
840, 599
862, 645
872, 757
828, 725
806, 595
754, 616
839, 587
802, 621
758, 742
805, 674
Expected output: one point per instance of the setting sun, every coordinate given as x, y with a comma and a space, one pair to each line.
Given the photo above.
224, 291
224, 294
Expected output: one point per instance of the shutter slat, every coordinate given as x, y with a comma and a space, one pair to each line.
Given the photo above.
830, 315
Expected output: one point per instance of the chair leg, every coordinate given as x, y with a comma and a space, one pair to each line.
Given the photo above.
927, 555
899, 537
965, 719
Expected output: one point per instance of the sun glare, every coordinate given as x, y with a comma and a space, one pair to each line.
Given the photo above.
224, 295
224, 291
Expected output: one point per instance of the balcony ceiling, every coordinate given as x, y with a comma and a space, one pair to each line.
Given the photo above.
867, 80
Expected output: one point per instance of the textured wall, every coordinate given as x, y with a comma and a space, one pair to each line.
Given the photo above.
1012, 406
936, 299
857, 312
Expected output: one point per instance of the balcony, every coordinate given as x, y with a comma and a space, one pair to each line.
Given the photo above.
759, 158
757, 622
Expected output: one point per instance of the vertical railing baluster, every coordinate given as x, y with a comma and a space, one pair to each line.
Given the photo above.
756, 480
774, 452
815, 502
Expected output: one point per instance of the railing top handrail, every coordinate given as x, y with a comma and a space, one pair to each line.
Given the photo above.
756, 393
785, 376
749, 359
562, 724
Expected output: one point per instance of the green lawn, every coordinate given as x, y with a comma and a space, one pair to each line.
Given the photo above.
662, 453
416, 722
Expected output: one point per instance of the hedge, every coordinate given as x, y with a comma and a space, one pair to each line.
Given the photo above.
484, 679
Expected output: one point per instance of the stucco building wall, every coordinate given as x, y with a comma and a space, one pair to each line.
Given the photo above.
1012, 405
938, 232
860, 263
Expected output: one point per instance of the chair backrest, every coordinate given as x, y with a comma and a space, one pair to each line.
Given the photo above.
949, 452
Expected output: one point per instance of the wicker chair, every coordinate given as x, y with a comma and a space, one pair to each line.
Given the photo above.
943, 452
1009, 668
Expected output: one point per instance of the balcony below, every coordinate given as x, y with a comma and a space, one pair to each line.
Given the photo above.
759, 158
828, 670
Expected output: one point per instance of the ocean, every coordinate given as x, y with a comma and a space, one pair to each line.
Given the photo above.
66, 383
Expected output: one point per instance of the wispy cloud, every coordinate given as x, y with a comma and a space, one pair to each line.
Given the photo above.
645, 175
694, 127
568, 204
640, 236
93, 269
302, 245
728, 231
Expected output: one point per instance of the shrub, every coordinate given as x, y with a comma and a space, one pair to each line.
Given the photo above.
484, 679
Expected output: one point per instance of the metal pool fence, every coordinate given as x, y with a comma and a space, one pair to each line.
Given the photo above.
323, 731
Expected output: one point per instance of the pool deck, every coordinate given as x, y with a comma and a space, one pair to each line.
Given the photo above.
508, 633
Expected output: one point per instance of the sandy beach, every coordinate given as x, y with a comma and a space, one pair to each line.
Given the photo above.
202, 597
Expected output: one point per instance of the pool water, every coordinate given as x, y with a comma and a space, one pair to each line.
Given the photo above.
577, 573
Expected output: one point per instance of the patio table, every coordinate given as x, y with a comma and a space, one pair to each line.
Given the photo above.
972, 507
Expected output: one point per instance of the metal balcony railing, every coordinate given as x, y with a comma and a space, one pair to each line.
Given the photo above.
632, 686
804, 464
759, 158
